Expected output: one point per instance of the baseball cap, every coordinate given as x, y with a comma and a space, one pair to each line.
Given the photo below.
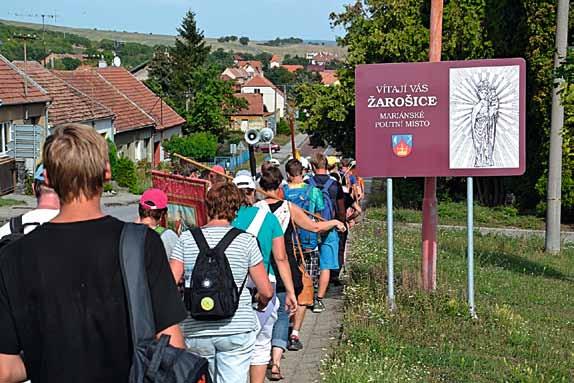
39, 174
244, 182
153, 199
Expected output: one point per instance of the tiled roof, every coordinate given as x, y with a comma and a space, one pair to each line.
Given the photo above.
328, 77
164, 116
293, 68
275, 58
236, 73
129, 116
13, 89
68, 103
257, 65
254, 104
262, 82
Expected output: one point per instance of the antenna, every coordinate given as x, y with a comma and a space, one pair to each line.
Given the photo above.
25, 38
43, 16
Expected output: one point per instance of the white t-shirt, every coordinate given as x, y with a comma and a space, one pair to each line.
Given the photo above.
38, 216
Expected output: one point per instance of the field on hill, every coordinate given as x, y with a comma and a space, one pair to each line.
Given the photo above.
153, 39
525, 304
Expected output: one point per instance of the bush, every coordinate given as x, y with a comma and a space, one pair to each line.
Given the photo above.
283, 127
112, 154
201, 146
244, 40
125, 173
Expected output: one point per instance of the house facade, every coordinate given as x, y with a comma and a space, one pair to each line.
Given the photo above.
275, 62
273, 98
251, 117
142, 119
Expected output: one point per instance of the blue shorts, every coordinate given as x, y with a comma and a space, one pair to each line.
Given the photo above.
329, 251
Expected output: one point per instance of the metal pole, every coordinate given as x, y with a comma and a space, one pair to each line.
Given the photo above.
390, 247
430, 219
292, 129
252, 164
555, 157
470, 244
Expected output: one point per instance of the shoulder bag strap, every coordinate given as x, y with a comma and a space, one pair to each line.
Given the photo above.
16, 226
257, 222
299, 249
132, 264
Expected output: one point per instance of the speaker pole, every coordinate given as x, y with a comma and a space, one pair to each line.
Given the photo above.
252, 164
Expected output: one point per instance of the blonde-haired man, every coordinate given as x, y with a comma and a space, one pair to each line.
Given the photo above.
62, 301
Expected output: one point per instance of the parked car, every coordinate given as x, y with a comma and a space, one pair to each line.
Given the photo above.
263, 147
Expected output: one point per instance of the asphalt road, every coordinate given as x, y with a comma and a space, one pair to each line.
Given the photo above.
126, 213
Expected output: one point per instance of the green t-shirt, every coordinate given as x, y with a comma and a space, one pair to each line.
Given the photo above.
270, 229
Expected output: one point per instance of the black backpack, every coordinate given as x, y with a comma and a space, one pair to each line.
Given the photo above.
16, 230
154, 360
212, 293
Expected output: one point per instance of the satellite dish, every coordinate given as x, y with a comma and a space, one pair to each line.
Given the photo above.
266, 135
252, 136
117, 62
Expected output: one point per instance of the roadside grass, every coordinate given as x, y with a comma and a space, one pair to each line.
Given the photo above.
6, 202
525, 305
454, 213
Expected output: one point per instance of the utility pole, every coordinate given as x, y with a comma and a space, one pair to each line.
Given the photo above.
554, 196
430, 219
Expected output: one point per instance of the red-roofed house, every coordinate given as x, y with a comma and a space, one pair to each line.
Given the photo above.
23, 102
237, 75
275, 62
329, 77
293, 68
251, 117
69, 105
273, 98
253, 67
143, 120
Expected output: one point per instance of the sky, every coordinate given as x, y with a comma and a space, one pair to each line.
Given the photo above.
257, 19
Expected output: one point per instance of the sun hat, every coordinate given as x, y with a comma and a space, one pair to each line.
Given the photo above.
244, 182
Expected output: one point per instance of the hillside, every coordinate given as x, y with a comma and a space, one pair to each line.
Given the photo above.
153, 39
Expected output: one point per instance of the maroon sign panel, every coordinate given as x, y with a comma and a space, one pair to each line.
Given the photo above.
451, 118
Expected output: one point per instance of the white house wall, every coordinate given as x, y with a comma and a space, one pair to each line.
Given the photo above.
268, 98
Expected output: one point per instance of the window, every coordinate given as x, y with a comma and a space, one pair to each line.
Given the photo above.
257, 91
6, 136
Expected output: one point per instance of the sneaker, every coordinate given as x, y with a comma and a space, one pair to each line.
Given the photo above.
318, 306
294, 343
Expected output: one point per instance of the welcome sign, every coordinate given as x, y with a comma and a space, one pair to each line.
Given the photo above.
451, 118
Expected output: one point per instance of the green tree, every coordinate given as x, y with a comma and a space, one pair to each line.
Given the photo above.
200, 146
212, 102
244, 40
280, 76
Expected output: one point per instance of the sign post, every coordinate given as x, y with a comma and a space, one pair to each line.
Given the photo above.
441, 119
390, 247
470, 245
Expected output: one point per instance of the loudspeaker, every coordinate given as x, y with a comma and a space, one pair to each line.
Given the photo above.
252, 136
266, 135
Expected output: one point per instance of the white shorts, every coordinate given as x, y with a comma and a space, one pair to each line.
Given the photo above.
262, 349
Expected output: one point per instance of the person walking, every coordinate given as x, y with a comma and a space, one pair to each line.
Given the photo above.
334, 199
228, 343
288, 214
62, 301
310, 199
152, 211
47, 207
265, 226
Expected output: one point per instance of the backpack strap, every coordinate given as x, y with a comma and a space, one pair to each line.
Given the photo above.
312, 181
328, 184
224, 244
134, 275
16, 226
200, 240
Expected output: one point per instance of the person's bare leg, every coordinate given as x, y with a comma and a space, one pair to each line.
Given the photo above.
299, 318
276, 354
257, 374
323, 283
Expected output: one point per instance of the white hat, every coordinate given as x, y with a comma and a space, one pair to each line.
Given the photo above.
244, 182
274, 162
243, 173
304, 162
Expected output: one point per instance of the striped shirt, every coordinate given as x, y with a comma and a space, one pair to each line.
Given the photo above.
242, 254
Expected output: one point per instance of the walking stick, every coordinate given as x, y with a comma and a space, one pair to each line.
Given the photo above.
267, 194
